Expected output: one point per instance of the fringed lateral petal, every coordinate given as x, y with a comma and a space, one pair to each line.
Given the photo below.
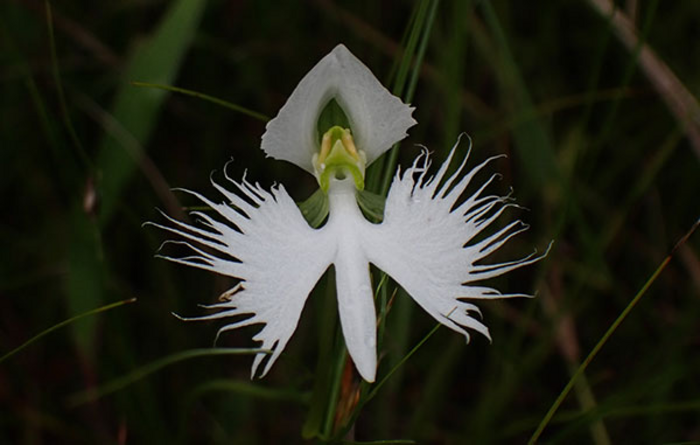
269, 246
426, 241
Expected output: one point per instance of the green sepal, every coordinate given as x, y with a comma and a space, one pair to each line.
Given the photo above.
372, 205
315, 208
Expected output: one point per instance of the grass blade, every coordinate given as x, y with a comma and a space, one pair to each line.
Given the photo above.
375, 389
93, 394
604, 339
208, 98
249, 389
61, 95
427, 26
532, 139
158, 61
64, 323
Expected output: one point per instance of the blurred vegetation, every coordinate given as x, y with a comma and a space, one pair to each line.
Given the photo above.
596, 111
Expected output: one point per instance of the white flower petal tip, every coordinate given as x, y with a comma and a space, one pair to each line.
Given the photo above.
428, 241
377, 118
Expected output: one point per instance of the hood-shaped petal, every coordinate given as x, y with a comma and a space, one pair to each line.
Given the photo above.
266, 243
377, 118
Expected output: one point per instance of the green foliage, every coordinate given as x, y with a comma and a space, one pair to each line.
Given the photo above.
103, 109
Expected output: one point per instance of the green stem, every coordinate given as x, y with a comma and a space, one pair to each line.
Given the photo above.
336, 379
390, 165
385, 379
375, 389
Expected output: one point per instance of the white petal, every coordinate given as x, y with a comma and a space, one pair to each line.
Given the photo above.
266, 244
347, 226
377, 118
356, 308
424, 242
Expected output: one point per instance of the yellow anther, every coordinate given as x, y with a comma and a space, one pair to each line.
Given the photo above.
349, 143
325, 147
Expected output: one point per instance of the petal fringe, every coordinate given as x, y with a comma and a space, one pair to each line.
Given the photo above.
264, 241
426, 241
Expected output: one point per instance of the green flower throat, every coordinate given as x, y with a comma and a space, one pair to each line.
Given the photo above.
339, 158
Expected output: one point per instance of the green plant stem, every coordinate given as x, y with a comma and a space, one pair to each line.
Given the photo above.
375, 389
418, 38
604, 339
336, 379
61, 95
390, 165
385, 379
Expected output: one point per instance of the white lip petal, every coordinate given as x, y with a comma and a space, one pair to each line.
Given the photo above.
356, 309
268, 246
426, 243
347, 226
377, 118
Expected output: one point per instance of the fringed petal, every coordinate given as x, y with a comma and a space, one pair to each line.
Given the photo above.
426, 242
265, 242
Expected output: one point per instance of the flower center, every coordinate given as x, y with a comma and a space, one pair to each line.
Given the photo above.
339, 158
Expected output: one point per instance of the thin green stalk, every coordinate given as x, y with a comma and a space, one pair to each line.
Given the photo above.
593, 152
404, 308
212, 99
404, 66
338, 366
65, 323
390, 165
378, 173
381, 295
375, 389
93, 394
569, 386
246, 388
418, 38
323, 374
59, 88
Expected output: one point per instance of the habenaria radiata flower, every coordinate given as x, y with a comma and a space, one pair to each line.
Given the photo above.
426, 241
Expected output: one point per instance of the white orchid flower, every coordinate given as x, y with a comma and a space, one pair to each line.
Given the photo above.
425, 241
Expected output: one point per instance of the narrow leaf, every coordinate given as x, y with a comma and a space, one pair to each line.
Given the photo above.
122, 382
